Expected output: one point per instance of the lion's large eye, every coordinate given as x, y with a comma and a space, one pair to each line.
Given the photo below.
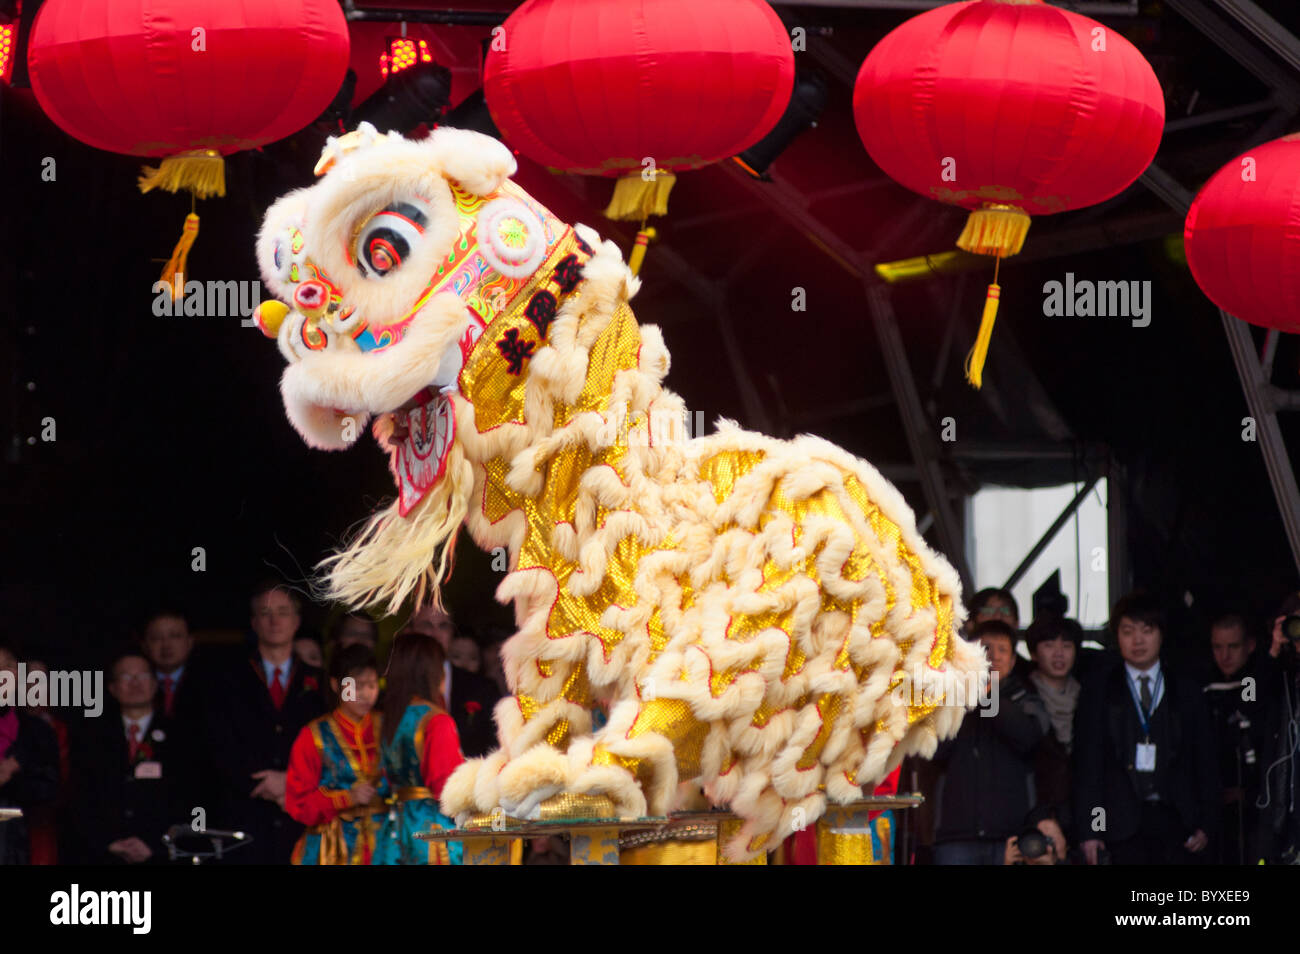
389, 236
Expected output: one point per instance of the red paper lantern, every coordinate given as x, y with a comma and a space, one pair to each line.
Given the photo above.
595, 86
137, 76
1242, 236
1010, 108
626, 87
186, 80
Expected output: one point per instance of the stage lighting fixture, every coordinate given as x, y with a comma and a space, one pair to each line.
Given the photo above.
807, 100
8, 49
403, 53
417, 94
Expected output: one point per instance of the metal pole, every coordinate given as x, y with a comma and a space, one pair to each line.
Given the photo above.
1047, 537
1267, 430
1254, 383
917, 428
1267, 30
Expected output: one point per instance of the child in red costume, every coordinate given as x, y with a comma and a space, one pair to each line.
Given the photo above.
336, 784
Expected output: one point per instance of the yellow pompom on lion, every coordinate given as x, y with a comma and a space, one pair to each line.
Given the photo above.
760, 616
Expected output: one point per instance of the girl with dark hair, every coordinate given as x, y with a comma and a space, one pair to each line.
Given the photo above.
335, 784
420, 751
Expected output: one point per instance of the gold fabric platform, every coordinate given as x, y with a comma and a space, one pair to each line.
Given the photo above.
689, 838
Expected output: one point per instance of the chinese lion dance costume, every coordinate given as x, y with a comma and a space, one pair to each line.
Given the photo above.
750, 610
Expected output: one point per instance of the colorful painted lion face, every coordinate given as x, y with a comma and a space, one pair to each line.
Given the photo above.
388, 271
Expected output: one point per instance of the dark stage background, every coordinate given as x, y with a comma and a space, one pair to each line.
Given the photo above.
171, 436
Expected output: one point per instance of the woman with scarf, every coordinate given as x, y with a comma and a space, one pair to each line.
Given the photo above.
1054, 645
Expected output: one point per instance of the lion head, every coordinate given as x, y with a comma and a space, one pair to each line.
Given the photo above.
388, 272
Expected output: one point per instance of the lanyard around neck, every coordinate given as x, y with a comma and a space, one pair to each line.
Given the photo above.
1144, 717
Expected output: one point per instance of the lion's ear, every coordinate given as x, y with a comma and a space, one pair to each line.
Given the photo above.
473, 161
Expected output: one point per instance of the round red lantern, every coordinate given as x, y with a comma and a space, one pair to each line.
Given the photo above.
1242, 236
612, 87
185, 80
161, 77
1010, 108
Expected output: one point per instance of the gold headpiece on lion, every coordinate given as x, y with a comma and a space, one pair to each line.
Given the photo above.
760, 616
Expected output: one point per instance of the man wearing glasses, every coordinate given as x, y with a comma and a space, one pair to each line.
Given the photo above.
994, 604
127, 780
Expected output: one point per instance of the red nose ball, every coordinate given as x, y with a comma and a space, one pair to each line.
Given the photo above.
311, 298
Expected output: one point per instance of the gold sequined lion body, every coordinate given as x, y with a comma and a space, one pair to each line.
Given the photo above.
759, 617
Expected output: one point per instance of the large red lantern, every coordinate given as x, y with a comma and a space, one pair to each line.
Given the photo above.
1009, 108
598, 87
1242, 236
186, 80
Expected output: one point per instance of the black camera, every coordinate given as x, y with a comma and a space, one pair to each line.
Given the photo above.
1244, 744
1032, 844
1291, 628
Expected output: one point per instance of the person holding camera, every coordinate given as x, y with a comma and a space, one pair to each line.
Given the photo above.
986, 790
1240, 694
1278, 838
1146, 780
1042, 843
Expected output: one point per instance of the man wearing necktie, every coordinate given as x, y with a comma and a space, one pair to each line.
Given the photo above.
1146, 778
168, 644
126, 785
254, 713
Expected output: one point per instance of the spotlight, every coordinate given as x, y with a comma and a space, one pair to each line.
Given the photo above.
807, 100
8, 49
414, 96
403, 53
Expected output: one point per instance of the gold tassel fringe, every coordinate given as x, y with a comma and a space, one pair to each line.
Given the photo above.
394, 557
978, 354
201, 171
636, 199
173, 272
994, 230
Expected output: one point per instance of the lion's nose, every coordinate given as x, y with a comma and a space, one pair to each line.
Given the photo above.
312, 298
269, 315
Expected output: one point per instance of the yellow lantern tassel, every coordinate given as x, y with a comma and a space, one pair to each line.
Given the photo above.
200, 171
643, 239
994, 229
174, 271
978, 354
636, 198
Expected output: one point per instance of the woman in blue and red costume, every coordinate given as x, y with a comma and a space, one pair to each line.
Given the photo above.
335, 784
421, 749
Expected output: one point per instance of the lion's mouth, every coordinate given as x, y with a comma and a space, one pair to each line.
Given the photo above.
418, 437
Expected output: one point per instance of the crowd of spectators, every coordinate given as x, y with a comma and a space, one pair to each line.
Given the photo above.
199, 739
1075, 755
1119, 756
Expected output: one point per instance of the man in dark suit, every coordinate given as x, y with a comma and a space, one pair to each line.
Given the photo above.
127, 785
470, 696
254, 711
180, 673
1146, 776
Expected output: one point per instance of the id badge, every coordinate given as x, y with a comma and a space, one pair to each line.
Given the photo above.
1146, 757
148, 770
